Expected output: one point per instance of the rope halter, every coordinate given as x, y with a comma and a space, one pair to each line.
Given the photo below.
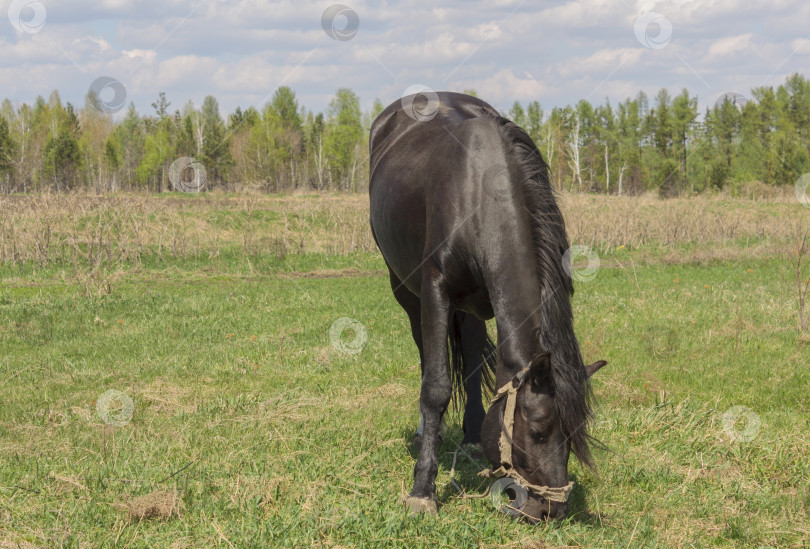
506, 469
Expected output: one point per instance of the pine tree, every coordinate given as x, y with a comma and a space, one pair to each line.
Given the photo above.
6, 156
215, 153
62, 158
518, 115
161, 106
684, 114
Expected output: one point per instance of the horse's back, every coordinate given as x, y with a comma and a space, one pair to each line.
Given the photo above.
410, 161
396, 121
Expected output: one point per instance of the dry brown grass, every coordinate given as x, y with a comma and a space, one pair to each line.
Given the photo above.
607, 222
155, 505
92, 229
94, 233
8, 544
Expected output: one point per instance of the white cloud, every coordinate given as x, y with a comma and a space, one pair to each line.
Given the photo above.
504, 87
145, 56
92, 44
801, 46
556, 52
731, 46
584, 13
599, 64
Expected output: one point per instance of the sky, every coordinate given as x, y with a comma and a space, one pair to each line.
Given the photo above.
240, 51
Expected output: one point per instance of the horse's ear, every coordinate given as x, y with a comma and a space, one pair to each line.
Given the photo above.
593, 368
540, 370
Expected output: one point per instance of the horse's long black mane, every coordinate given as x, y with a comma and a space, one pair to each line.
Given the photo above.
572, 390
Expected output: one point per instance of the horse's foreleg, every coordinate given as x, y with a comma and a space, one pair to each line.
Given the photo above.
473, 336
435, 393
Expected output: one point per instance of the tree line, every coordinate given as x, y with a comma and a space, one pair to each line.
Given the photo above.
641, 144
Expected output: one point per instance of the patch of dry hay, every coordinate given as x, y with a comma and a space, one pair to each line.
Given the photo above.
169, 397
8, 544
382, 393
156, 505
100, 233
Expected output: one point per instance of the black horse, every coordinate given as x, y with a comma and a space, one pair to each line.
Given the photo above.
463, 213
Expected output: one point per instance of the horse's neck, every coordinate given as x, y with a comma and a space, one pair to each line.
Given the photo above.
517, 302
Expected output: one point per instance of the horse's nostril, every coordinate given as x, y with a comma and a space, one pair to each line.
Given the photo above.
558, 511
548, 513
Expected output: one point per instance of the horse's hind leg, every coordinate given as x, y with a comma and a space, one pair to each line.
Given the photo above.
473, 337
436, 386
413, 307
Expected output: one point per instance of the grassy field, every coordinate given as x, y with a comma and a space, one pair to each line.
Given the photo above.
173, 374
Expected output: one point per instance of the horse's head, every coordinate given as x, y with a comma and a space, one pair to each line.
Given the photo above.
525, 439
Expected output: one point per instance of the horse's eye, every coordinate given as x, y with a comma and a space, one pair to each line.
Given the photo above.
538, 437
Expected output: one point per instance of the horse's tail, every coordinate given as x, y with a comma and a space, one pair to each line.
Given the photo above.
486, 365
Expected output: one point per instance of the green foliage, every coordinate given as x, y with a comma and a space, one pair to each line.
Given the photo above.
214, 151
667, 178
641, 144
343, 137
517, 114
6, 147
157, 155
534, 121
112, 152
131, 135
376, 109
161, 106
62, 158
285, 107
238, 118
720, 172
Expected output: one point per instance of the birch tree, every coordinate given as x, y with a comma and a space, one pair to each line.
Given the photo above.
574, 161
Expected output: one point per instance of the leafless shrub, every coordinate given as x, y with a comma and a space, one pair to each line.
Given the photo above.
802, 273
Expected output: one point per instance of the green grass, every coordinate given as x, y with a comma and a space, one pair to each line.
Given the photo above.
290, 442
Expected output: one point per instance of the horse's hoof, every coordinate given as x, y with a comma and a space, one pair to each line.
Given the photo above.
421, 505
473, 448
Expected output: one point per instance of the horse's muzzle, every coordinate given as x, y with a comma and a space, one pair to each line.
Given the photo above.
543, 510
514, 500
